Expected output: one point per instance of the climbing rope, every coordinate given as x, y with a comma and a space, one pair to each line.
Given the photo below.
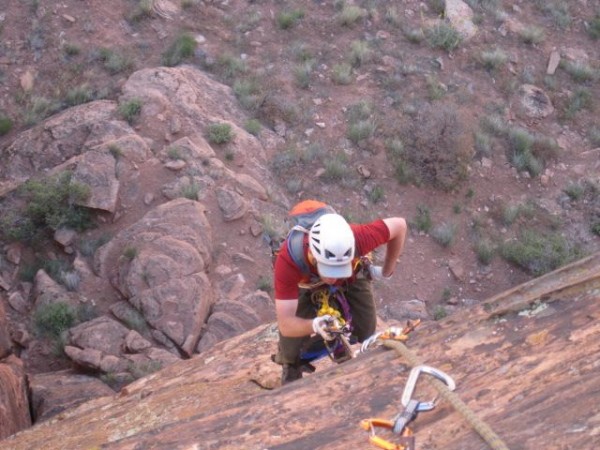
486, 433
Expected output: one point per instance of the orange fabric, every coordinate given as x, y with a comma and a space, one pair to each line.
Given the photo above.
306, 206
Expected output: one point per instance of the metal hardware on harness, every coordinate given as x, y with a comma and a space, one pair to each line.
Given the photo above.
395, 333
407, 440
339, 349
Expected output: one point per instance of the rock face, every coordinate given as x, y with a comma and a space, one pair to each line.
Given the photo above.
508, 373
161, 262
52, 393
14, 402
151, 284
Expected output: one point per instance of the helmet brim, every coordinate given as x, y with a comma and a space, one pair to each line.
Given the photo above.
335, 271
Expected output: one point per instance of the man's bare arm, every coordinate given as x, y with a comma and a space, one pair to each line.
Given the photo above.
398, 229
289, 324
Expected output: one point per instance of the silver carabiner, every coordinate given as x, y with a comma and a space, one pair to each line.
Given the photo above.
412, 383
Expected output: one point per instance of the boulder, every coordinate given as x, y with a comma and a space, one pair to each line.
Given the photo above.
54, 392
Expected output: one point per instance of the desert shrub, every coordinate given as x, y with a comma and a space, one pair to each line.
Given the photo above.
485, 251
130, 110
574, 190
594, 135
579, 71
579, 100
557, 10
350, 14
219, 133
113, 61
229, 66
444, 234
38, 108
130, 252
52, 319
302, 73
144, 368
435, 89
539, 252
360, 130
265, 284
190, 191
531, 35
443, 36
79, 95
492, 60
341, 73
422, 221
49, 204
182, 48
287, 19
336, 168
439, 146
439, 313
396, 155
253, 127
360, 53
375, 194
88, 247
249, 93
483, 144
276, 107
593, 27
6, 125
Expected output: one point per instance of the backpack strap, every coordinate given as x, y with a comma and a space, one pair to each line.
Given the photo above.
295, 247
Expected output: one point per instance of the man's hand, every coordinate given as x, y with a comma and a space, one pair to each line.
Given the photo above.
321, 324
376, 273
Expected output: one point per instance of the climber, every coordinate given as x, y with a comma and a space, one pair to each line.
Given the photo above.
331, 251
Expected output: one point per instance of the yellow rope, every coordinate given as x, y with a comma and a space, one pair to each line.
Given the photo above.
488, 435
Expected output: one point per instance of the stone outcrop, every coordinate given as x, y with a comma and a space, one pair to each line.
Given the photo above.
54, 392
14, 402
161, 262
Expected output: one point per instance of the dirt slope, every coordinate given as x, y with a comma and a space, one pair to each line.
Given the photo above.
531, 376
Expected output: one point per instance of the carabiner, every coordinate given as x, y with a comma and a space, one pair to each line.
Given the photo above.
412, 383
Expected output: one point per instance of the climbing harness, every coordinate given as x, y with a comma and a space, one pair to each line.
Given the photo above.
393, 333
410, 409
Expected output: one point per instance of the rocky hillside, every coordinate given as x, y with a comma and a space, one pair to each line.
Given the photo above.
150, 150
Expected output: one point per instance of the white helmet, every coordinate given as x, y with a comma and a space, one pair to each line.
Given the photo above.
331, 242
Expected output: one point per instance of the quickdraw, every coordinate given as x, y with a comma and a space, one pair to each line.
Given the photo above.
392, 333
407, 439
411, 408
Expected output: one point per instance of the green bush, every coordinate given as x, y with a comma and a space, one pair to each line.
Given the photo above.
253, 127
443, 36
130, 110
485, 251
53, 319
5, 125
444, 234
49, 203
341, 73
181, 49
219, 133
350, 14
422, 221
539, 252
593, 28
114, 62
287, 19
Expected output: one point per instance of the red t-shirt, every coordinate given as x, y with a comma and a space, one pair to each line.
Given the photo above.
287, 275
